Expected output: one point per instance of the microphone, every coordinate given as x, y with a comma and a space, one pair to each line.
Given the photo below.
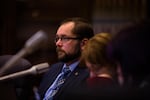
36, 69
35, 41
32, 44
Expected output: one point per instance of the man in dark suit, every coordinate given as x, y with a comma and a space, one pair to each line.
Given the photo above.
71, 36
131, 50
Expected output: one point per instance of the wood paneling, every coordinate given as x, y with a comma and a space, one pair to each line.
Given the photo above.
113, 15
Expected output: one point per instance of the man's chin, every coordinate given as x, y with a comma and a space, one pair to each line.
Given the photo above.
60, 57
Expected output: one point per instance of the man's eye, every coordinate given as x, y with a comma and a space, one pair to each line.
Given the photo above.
65, 38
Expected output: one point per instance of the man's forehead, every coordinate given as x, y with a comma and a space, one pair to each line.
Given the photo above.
65, 29
67, 24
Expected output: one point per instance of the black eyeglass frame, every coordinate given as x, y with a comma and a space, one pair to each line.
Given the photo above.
65, 39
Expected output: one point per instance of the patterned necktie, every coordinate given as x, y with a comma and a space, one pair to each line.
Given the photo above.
57, 84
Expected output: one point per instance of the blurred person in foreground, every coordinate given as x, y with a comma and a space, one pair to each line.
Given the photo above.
103, 71
71, 36
130, 48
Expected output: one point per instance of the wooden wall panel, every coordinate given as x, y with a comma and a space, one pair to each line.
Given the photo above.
113, 15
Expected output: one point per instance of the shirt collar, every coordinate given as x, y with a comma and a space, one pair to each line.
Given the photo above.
72, 66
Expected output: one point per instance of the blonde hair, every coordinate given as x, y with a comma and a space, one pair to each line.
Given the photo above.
95, 50
95, 53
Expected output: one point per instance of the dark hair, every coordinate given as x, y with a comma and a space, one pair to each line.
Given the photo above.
82, 28
131, 48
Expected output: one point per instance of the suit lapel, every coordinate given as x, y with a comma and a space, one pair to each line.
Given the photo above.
74, 80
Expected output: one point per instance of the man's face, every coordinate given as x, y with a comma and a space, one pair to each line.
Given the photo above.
67, 44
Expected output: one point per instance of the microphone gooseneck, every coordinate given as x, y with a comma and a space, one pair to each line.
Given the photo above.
31, 45
36, 69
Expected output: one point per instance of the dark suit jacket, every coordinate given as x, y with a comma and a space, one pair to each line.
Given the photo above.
77, 78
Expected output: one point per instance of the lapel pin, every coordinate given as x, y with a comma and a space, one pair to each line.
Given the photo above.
76, 73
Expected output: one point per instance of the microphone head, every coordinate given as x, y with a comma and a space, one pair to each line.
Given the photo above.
36, 41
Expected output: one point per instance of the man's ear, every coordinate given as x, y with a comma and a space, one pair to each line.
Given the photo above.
83, 43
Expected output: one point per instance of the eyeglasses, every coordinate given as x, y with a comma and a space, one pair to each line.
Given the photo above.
65, 39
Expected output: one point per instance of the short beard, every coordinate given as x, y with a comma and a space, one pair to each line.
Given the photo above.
68, 57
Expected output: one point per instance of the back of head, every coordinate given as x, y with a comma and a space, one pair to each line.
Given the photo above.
95, 55
130, 47
95, 50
